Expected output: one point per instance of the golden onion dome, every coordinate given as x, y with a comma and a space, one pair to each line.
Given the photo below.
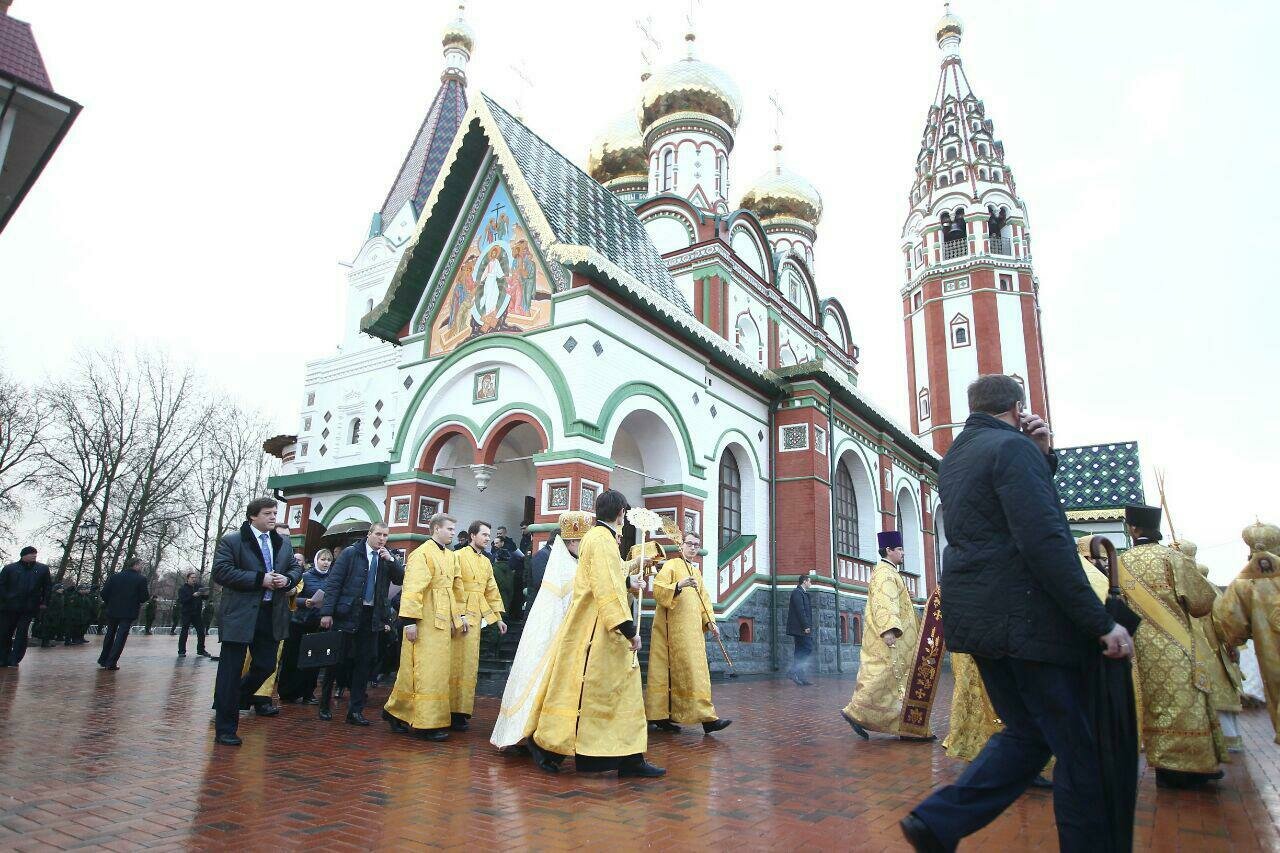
691, 86
949, 25
781, 193
618, 150
458, 33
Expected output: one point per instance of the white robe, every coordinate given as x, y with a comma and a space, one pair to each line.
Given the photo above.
537, 642
1252, 674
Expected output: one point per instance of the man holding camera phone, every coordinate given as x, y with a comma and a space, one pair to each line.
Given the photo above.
1014, 596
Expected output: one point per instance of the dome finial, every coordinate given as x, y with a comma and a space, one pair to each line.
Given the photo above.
649, 47
949, 31
691, 34
776, 100
458, 42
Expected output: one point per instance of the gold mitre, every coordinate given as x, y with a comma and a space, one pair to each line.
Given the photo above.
1262, 537
575, 524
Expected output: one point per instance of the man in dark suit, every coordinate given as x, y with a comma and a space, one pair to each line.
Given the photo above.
123, 595
1017, 600
538, 569
255, 566
24, 592
355, 599
190, 600
800, 629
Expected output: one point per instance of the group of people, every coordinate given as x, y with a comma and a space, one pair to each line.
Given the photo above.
575, 686
1030, 616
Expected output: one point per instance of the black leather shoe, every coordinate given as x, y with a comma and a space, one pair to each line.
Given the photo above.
666, 726
643, 770
541, 758
459, 722
202, 653
716, 726
112, 668
182, 654
857, 729
357, 720
920, 836
397, 725
434, 735
228, 740
325, 715
266, 710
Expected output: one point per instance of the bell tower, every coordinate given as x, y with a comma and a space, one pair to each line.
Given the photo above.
970, 298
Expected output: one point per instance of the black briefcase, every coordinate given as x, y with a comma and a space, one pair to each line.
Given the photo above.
320, 649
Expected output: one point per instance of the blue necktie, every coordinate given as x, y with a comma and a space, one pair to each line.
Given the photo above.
372, 577
265, 541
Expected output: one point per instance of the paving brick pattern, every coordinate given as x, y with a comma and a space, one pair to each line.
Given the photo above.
125, 761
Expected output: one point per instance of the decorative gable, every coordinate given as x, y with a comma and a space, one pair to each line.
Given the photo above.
493, 279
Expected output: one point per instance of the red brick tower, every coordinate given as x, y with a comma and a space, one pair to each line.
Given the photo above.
970, 301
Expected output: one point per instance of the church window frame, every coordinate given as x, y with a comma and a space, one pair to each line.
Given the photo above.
729, 489
961, 332
668, 170
1004, 281
846, 503
922, 405
952, 152
917, 300
944, 180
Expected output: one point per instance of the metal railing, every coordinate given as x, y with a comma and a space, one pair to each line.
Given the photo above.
1001, 246
955, 249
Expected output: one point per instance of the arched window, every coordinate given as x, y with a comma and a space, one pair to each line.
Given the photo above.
958, 177
960, 336
943, 180
669, 170
722, 176
747, 337
922, 404
982, 149
730, 499
844, 628
353, 434
857, 629
746, 629
846, 513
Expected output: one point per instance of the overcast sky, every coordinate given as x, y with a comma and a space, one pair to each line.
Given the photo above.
229, 156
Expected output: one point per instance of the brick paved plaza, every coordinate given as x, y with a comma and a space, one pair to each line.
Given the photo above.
126, 761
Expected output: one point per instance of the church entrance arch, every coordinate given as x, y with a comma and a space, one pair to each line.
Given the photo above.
648, 470
495, 481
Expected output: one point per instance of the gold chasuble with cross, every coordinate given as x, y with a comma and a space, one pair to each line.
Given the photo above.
592, 702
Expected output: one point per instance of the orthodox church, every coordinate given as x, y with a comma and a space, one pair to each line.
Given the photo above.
522, 333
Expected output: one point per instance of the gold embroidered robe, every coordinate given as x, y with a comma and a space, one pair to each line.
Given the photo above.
1250, 608
480, 600
591, 702
1178, 723
431, 599
882, 677
679, 687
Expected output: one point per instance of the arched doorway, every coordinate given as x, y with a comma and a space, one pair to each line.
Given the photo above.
912, 542
645, 454
496, 484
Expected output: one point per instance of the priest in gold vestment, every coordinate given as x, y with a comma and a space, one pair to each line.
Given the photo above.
481, 601
591, 704
1179, 726
1250, 609
431, 610
679, 688
1224, 680
890, 636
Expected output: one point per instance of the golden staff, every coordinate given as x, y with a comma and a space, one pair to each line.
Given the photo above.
1165, 504
672, 532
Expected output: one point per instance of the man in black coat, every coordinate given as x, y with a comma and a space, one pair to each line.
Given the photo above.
256, 567
24, 592
538, 569
800, 629
190, 601
1015, 597
123, 595
355, 599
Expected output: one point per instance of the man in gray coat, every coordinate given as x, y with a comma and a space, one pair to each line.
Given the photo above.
255, 566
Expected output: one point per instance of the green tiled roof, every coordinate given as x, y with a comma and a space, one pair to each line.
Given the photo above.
1099, 475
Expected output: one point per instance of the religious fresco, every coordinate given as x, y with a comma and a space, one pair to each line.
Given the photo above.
499, 286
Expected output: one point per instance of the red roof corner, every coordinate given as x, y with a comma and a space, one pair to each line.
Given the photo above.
19, 56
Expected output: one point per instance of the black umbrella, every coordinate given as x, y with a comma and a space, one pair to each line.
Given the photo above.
1114, 715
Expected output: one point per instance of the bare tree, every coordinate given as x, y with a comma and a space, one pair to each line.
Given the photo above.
24, 419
